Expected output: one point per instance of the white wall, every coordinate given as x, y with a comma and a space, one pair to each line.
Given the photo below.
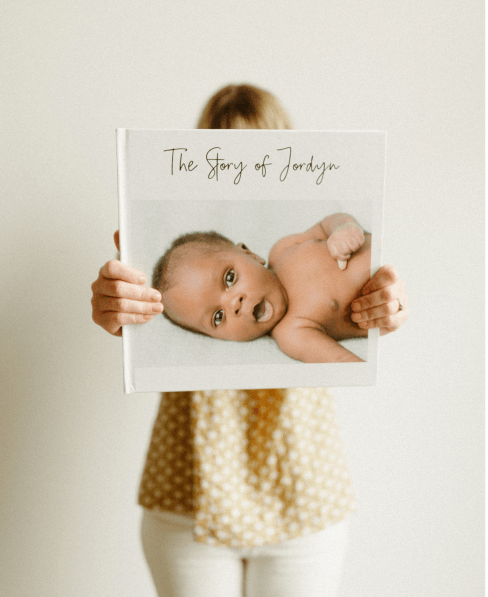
72, 443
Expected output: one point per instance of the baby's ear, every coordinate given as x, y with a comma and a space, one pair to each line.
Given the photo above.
259, 259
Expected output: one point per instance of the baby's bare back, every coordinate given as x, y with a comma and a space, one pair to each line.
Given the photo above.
318, 291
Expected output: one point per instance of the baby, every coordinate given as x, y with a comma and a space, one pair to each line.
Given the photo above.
211, 286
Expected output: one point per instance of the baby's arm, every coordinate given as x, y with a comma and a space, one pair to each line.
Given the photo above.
307, 342
341, 231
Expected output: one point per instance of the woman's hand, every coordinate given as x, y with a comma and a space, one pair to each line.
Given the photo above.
383, 303
120, 297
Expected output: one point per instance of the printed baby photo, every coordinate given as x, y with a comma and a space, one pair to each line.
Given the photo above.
259, 243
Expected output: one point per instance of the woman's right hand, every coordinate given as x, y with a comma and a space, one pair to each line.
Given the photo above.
120, 297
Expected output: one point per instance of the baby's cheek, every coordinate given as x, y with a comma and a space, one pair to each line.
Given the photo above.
249, 333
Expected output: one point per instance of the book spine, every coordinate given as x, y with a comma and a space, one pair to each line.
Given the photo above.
121, 145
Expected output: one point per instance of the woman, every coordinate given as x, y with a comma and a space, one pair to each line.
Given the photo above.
244, 492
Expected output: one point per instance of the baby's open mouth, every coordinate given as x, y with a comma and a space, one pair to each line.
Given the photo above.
263, 311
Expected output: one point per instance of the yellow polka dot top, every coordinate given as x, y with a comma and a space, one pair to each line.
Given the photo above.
251, 467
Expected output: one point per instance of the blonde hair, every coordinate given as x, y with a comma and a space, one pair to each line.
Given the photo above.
243, 107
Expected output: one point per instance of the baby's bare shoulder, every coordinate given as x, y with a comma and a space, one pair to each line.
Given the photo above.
284, 245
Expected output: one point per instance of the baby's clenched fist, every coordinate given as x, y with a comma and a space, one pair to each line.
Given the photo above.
344, 241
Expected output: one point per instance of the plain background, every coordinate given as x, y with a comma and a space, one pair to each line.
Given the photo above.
72, 443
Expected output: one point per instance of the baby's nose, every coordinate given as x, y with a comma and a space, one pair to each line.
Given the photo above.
237, 303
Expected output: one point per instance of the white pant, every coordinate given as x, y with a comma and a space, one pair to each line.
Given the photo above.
308, 566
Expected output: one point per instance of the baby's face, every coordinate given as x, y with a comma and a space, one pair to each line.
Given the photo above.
227, 294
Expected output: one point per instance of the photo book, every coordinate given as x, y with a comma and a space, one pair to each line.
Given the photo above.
235, 228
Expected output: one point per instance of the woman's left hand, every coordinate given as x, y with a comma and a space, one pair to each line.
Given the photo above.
383, 303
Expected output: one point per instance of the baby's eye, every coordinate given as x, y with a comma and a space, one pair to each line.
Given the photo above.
218, 317
229, 278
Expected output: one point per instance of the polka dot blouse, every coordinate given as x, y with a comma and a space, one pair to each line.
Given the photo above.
251, 467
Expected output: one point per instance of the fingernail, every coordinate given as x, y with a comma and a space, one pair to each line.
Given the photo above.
156, 295
147, 317
362, 324
342, 265
356, 317
356, 306
157, 308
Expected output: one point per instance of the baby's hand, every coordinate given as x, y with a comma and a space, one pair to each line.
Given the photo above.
119, 297
344, 241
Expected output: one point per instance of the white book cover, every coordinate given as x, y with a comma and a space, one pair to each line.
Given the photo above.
267, 190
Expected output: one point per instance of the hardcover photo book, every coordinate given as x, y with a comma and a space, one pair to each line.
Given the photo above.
259, 241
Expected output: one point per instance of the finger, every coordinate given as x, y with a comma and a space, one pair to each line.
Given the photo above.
389, 322
385, 276
381, 311
340, 252
398, 321
116, 270
353, 244
112, 321
125, 305
379, 297
120, 289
